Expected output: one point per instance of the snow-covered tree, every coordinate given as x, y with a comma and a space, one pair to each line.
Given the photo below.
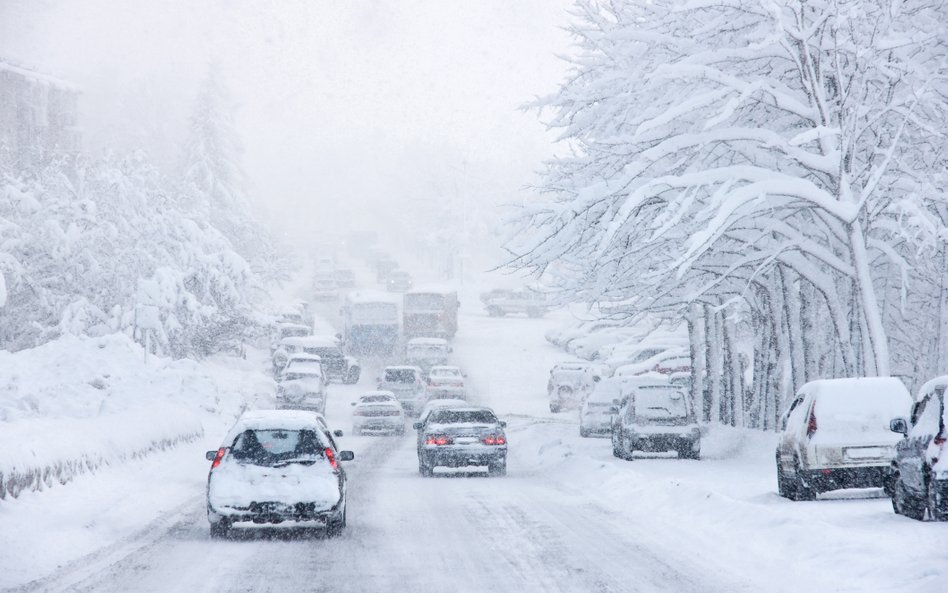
777, 155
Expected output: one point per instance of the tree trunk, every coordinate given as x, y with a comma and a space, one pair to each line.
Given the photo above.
878, 346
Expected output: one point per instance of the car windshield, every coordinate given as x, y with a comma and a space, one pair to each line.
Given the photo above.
462, 417
374, 399
400, 375
660, 402
276, 446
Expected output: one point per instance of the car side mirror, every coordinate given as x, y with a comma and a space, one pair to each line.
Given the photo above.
417, 425
502, 424
346, 456
596, 379
337, 433
899, 425
210, 455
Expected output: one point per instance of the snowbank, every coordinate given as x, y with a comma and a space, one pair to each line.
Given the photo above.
77, 404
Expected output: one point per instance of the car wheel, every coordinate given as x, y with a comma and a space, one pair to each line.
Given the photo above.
784, 485
335, 528
584, 433
615, 446
497, 469
905, 504
801, 489
220, 529
424, 469
937, 505
555, 408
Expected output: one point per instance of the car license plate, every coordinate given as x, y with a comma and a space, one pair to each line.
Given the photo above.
465, 440
865, 452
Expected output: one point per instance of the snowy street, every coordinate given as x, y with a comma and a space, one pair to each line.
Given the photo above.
567, 517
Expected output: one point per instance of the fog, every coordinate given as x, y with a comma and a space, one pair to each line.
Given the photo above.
362, 110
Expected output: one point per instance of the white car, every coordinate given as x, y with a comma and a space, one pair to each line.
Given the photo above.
302, 388
378, 412
277, 466
570, 383
835, 434
595, 416
407, 385
427, 352
446, 382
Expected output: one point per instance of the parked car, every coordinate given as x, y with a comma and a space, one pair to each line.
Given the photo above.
835, 434
595, 415
525, 301
446, 382
427, 352
655, 416
919, 480
274, 467
378, 412
407, 385
398, 281
570, 383
462, 437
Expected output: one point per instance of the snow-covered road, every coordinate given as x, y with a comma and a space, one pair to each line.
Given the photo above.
568, 517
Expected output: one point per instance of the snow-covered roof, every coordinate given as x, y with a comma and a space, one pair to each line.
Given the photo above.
372, 296
444, 367
403, 367
305, 356
377, 392
285, 419
37, 76
932, 384
433, 289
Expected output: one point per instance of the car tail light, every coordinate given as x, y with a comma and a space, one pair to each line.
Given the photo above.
811, 423
332, 458
218, 457
494, 439
438, 439
940, 439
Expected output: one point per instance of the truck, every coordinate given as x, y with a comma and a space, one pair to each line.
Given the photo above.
430, 313
370, 323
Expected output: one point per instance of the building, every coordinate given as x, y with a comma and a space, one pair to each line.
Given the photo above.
38, 116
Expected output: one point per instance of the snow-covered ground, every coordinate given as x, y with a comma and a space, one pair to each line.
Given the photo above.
568, 517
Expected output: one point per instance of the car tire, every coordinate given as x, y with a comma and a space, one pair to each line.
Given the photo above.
424, 469
335, 528
801, 490
905, 504
555, 408
937, 505
497, 469
584, 433
220, 529
616, 452
784, 484
689, 453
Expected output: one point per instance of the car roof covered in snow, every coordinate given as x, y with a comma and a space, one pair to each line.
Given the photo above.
433, 289
427, 342
403, 367
311, 341
372, 296
288, 325
932, 384
305, 356
377, 393
444, 367
276, 419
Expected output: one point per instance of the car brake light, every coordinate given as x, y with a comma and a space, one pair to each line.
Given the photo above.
493, 439
218, 457
811, 423
332, 458
438, 439
940, 440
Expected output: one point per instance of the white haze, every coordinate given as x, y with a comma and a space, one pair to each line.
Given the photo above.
369, 109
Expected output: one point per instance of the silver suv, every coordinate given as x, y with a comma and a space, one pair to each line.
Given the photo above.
655, 417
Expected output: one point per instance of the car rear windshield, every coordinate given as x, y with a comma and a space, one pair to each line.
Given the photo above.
656, 403
858, 410
301, 376
276, 446
400, 375
374, 399
462, 417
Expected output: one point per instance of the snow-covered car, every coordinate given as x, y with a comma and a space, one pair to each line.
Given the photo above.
287, 330
595, 415
302, 388
570, 383
344, 277
399, 281
337, 365
427, 352
500, 302
378, 412
408, 386
835, 434
277, 466
325, 287
462, 437
446, 382
655, 416
919, 478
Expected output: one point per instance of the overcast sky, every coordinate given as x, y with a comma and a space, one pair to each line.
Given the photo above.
368, 106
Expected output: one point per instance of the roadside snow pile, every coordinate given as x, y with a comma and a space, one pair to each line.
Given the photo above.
76, 404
